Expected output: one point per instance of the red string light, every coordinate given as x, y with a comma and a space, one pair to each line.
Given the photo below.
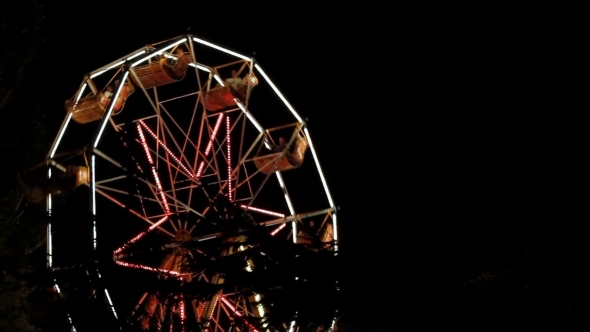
167, 150
208, 149
156, 177
229, 170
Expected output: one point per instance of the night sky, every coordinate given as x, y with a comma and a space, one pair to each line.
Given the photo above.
450, 137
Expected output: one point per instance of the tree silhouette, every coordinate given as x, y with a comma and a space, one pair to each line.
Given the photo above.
22, 141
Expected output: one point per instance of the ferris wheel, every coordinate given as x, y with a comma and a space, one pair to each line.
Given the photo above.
202, 195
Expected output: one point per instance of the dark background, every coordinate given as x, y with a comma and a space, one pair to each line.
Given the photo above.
451, 136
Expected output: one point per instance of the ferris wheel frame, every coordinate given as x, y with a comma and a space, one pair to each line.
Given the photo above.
125, 70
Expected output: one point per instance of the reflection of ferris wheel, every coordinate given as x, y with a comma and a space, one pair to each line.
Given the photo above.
225, 223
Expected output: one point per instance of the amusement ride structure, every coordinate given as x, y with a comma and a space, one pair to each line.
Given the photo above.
195, 200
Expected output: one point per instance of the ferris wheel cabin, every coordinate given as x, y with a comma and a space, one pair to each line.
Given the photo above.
93, 106
164, 71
